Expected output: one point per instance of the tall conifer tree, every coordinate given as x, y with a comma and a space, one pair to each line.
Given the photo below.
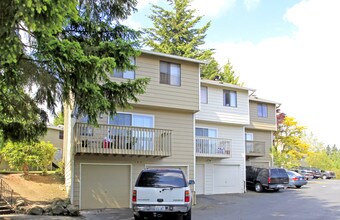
175, 32
64, 51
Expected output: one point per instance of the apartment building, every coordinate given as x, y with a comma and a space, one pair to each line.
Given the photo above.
220, 139
259, 133
102, 163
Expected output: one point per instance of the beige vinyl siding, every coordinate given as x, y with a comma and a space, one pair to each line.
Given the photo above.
215, 111
52, 136
265, 123
263, 136
236, 134
182, 126
184, 97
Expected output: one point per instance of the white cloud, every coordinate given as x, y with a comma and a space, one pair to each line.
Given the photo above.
299, 71
251, 4
212, 8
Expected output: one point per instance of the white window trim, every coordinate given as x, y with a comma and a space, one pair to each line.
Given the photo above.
207, 99
224, 98
207, 128
132, 114
180, 73
262, 106
134, 71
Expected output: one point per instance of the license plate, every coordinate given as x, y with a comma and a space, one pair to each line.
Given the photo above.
280, 186
159, 208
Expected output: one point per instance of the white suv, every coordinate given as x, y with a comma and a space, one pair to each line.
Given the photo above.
161, 192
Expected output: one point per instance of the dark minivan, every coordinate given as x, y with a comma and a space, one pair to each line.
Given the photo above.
266, 178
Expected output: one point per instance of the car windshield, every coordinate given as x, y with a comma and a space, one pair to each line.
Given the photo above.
278, 173
161, 178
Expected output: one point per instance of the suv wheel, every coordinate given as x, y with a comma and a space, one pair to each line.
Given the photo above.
187, 216
137, 217
324, 177
258, 187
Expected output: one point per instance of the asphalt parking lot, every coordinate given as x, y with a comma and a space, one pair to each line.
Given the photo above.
319, 199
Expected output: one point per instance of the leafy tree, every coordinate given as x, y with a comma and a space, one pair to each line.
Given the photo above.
319, 159
22, 155
62, 52
289, 146
226, 75
59, 119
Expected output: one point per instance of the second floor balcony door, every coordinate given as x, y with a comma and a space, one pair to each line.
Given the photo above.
144, 138
138, 138
206, 146
249, 143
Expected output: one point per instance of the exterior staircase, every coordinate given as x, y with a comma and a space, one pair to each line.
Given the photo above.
5, 208
6, 198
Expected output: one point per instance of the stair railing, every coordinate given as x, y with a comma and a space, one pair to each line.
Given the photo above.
6, 193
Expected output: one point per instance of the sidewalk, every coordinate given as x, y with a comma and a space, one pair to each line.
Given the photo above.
105, 214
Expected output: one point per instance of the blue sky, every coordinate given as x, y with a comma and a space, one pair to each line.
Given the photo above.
288, 50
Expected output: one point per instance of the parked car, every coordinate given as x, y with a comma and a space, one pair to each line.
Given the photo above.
308, 174
161, 192
296, 179
316, 174
266, 178
327, 174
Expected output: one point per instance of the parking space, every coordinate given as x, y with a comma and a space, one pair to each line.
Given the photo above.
319, 199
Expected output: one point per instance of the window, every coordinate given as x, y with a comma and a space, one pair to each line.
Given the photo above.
262, 110
249, 142
61, 134
127, 74
206, 132
230, 98
170, 73
128, 119
204, 94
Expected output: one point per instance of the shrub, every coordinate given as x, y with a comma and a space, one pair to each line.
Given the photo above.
22, 155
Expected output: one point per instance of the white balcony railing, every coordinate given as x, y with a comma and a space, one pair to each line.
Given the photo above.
213, 147
255, 148
124, 140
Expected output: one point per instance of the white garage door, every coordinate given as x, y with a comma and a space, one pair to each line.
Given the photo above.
227, 179
199, 183
104, 186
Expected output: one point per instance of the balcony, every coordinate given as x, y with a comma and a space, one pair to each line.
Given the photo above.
255, 148
122, 140
213, 147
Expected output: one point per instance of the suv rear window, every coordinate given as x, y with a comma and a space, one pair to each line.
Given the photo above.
278, 172
161, 178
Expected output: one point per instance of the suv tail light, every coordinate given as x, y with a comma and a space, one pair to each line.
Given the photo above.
269, 180
134, 196
187, 196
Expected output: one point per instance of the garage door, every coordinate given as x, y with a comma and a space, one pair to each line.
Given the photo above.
227, 179
104, 186
199, 183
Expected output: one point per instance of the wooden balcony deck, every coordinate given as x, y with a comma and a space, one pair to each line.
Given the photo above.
122, 140
213, 147
255, 148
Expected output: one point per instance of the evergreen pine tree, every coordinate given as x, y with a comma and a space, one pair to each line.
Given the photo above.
175, 32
